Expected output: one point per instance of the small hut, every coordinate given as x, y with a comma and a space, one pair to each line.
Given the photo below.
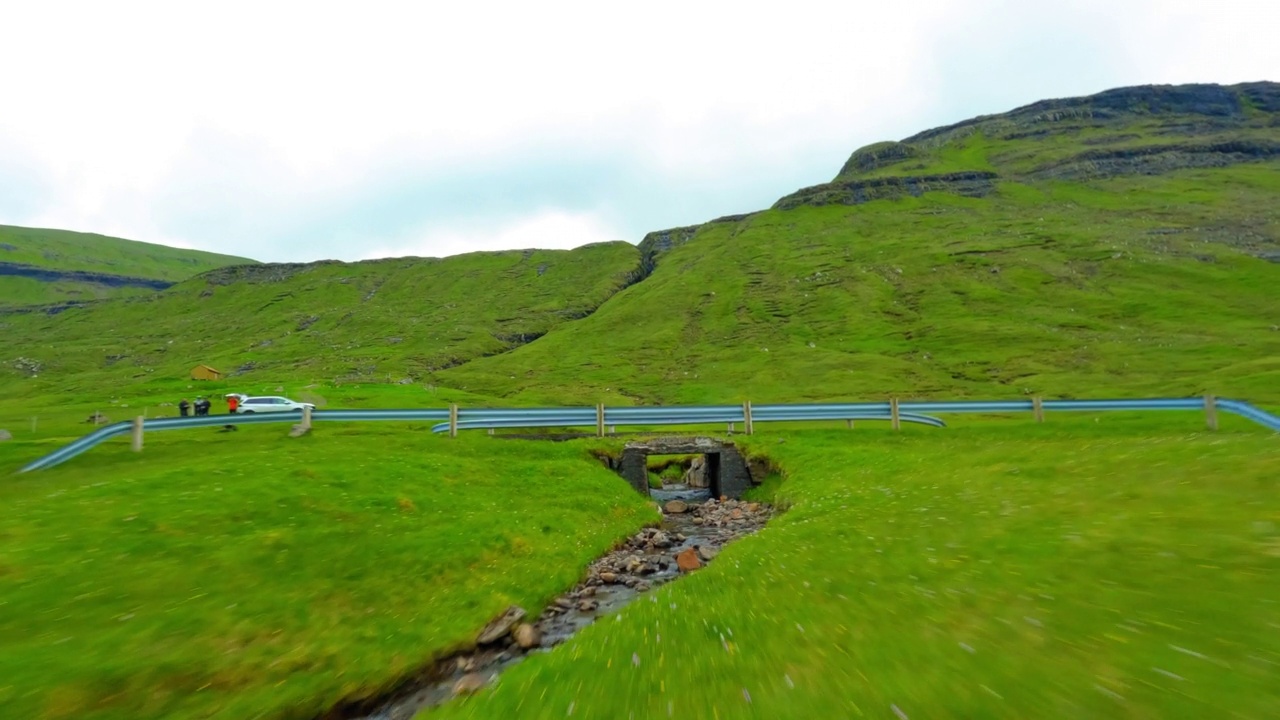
204, 372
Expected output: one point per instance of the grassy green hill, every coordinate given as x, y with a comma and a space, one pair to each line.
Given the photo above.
374, 321
1118, 286
40, 266
1125, 243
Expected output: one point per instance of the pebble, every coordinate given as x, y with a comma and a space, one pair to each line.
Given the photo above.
469, 683
527, 636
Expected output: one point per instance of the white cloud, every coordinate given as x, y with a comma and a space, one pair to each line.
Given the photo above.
230, 126
547, 229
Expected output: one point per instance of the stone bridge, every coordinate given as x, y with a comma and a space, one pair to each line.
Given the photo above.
727, 472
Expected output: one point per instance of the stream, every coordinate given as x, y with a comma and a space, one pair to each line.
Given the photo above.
694, 527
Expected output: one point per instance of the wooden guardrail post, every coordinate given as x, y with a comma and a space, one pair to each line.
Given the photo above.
600, 420
137, 433
893, 414
1037, 407
453, 420
1211, 412
747, 423
306, 417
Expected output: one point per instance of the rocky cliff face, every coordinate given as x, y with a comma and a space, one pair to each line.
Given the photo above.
1205, 106
874, 157
1145, 130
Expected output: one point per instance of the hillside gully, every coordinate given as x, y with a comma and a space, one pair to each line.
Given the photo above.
693, 530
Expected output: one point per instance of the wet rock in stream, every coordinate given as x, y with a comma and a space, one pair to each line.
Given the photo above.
500, 626
688, 538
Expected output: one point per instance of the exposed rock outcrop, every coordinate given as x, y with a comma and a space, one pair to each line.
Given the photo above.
660, 242
876, 156
260, 274
1202, 101
1157, 159
47, 275
978, 183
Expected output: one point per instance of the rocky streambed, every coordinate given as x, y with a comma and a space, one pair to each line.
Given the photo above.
693, 530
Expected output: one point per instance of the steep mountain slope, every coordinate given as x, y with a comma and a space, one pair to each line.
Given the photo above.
374, 320
47, 266
1122, 243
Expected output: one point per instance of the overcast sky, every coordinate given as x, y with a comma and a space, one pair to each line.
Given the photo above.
303, 131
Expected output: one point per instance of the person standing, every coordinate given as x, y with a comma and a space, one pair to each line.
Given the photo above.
233, 403
183, 407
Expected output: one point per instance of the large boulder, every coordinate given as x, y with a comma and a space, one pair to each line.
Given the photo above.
688, 560
500, 626
696, 475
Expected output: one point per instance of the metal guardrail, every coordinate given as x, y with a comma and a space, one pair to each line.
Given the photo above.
587, 417
455, 419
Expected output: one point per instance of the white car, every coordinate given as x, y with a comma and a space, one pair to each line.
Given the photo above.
272, 403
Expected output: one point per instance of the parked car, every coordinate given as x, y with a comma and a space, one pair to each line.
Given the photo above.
272, 403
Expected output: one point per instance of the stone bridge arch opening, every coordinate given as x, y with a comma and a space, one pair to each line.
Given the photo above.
727, 472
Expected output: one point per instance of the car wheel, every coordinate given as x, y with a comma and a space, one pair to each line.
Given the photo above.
247, 412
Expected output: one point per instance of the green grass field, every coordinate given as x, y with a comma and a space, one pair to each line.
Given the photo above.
250, 575
1123, 568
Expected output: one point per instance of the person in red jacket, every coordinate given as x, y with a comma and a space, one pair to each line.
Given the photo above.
233, 404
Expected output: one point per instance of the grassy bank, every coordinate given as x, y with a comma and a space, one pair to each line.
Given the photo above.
1124, 568
235, 575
